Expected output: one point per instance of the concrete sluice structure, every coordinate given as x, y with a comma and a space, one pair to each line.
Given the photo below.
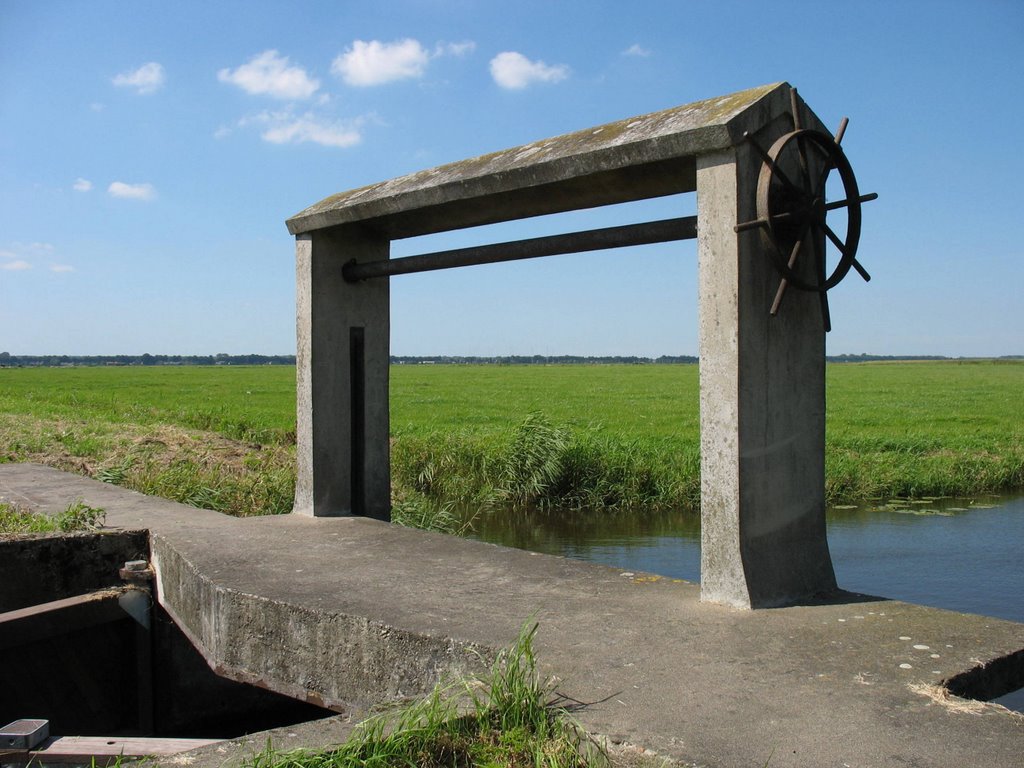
335, 607
762, 377
349, 612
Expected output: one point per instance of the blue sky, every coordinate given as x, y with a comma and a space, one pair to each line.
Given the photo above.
151, 152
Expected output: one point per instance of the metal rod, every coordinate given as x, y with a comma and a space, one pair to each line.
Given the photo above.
663, 231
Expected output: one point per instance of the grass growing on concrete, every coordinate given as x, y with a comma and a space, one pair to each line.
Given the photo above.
508, 719
611, 436
77, 517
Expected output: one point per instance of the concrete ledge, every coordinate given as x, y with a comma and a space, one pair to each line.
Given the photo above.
339, 660
302, 603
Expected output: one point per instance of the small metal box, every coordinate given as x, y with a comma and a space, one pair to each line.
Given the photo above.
24, 734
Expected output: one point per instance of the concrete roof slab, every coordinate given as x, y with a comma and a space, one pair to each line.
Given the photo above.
636, 158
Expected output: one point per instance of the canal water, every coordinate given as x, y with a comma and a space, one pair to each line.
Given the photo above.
963, 555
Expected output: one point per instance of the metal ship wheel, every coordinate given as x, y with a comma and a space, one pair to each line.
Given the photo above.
793, 210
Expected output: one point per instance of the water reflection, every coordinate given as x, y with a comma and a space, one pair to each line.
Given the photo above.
667, 543
958, 554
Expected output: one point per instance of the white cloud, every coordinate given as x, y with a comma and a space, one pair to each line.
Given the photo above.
132, 191
270, 74
146, 79
637, 50
375, 63
21, 249
61, 268
82, 185
16, 266
514, 71
287, 128
455, 49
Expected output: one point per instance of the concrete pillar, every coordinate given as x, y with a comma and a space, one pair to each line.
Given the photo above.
342, 354
762, 407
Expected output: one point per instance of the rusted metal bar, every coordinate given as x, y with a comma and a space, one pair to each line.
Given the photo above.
663, 231
57, 618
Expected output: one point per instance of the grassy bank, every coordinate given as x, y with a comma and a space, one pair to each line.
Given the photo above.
611, 436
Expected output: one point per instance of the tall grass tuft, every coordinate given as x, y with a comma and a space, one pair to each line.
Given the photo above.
413, 510
533, 462
511, 722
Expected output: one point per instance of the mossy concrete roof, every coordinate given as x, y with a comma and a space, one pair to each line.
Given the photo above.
632, 159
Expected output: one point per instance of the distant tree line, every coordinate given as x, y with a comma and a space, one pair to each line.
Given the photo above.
144, 359
12, 361
862, 358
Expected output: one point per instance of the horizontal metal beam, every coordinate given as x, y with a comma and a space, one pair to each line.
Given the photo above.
59, 617
663, 231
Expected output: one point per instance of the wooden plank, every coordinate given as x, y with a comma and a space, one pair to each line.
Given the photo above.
105, 750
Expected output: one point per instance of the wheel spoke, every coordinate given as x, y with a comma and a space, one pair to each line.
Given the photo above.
784, 283
834, 238
794, 107
842, 129
850, 201
818, 190
826, 316
778, 297
771, 163
752, 224
804, 167
861, 271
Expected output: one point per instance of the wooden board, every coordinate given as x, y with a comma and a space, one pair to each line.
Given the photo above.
105, 750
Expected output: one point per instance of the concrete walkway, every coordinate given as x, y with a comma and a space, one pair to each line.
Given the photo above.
349, 611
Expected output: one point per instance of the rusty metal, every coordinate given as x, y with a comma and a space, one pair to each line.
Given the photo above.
136, 572
792, 217
666, 230
60, 617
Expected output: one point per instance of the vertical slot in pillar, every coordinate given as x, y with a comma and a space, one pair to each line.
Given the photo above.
357, 394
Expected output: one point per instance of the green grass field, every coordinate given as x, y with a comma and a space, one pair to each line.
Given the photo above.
578, 435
